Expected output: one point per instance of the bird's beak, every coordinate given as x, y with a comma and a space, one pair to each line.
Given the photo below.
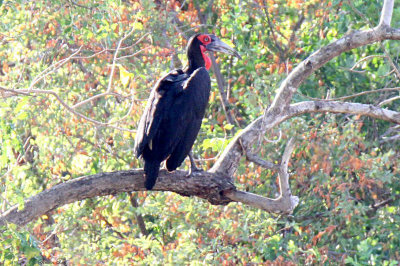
219, 46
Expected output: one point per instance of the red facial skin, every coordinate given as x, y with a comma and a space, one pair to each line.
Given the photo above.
205, 39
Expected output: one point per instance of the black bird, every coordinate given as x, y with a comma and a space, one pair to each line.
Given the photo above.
175, 109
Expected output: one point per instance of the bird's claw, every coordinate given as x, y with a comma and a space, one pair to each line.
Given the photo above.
194, 170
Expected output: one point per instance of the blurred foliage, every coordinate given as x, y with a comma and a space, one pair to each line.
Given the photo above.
344, 167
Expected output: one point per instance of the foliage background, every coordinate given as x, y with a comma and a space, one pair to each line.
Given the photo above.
343, 166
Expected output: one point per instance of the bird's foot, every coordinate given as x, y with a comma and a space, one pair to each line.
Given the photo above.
194, 170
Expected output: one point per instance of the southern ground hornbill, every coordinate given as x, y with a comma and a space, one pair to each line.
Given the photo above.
175, 109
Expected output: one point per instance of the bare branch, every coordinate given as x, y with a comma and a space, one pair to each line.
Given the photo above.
387, 12
345, 108
205, 185
261, 162
69, 108
115, 58
134, 54
224, 100
108, 91
215, 188
277, 112
10, 93
285, 203
388, 101
52, 69
353, 95
139, 217
97, 96
283, 170
365, 59
359, 13
279, 205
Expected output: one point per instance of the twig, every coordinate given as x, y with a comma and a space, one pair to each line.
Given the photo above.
359, 13
127, 114
351, 96
69, 108
388, 101
271, 27
385, 19
365, 59
79, 5
115, 59
52, 68
96, 97
274, 141
261, 162
222, 93
134, 54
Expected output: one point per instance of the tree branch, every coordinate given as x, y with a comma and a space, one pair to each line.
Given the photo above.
215, 188
204, 185
221, 88
285, 203
345, 108
277, 112
387, 12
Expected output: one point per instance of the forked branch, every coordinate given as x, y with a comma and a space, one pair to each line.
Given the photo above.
285, 203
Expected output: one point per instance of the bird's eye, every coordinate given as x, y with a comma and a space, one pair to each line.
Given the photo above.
206, 39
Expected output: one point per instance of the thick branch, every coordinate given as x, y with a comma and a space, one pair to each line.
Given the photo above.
216, 188
279, 205
205, 185
387, 12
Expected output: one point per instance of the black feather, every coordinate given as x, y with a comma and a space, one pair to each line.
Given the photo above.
151, 169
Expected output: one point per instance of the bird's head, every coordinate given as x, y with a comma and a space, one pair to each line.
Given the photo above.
208, 42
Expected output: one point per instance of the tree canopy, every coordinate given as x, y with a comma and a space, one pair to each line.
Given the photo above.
300, 143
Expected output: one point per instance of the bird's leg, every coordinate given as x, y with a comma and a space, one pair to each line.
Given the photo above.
193, 167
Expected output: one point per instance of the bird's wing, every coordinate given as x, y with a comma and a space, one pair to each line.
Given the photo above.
196, 92
159, 102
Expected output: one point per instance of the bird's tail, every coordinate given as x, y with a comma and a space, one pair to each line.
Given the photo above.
151, 169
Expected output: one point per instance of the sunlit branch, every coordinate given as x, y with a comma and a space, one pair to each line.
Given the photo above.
353, 95
203, 184
277, 111
134, 54
387, 12
283, 170
103, 94
285, 203
387, 101
343, 107
108, 91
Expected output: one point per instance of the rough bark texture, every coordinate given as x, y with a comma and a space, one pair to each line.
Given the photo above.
216, 185
205, 185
